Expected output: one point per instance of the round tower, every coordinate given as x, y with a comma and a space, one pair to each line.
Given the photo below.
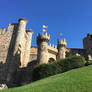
18, 52
20, 33
29, 33
61, 46
87, 45
27, 48
42, 42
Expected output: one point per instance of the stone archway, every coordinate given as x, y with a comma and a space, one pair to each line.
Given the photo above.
51, 60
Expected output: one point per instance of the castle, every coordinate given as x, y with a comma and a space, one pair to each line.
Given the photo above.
16, 51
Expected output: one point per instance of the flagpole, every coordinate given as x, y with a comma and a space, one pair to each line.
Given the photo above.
61, 35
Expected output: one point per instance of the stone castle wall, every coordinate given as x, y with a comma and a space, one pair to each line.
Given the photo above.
5, 50
14, 49
5, 39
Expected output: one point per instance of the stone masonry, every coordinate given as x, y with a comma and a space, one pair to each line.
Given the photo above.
14, 48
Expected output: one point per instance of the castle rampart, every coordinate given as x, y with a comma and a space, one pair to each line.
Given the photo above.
52, 52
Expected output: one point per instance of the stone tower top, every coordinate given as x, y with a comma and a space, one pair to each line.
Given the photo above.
61, 48
89, 35
43, 37
30, 30
42, 42
62, 42
22, 19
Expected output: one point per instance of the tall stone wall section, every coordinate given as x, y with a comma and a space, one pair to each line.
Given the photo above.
27, 47
20, 43
15, 45
5, 40
21, 51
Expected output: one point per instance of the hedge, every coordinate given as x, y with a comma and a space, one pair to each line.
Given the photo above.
77, 61
45, 70
88, 63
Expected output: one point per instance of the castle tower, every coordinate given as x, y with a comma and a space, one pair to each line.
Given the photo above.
87, 45
27, 47
20, 34
42, 42
61, 46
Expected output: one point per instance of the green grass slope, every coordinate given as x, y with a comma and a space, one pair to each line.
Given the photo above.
77, 80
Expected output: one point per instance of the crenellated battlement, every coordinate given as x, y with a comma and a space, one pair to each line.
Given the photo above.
2, 31
62, 42
52, 47
43, 37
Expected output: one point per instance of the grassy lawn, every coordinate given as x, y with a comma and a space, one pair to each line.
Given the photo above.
77, 80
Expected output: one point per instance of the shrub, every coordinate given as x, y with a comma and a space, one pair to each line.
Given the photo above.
45, 70
88, 63
77, 61
72, 62
39, 71
64, 64
56, 68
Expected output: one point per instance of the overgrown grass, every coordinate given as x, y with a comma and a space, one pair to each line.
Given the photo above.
76, 80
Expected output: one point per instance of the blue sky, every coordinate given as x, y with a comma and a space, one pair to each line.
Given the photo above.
71, 17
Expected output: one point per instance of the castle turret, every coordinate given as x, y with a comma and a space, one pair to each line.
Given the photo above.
29, 33
20, 34
27, 48
87, 41
61, 46
87, 44
42, 42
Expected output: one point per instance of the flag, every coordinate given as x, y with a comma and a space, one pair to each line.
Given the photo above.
44, 26
44, 30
